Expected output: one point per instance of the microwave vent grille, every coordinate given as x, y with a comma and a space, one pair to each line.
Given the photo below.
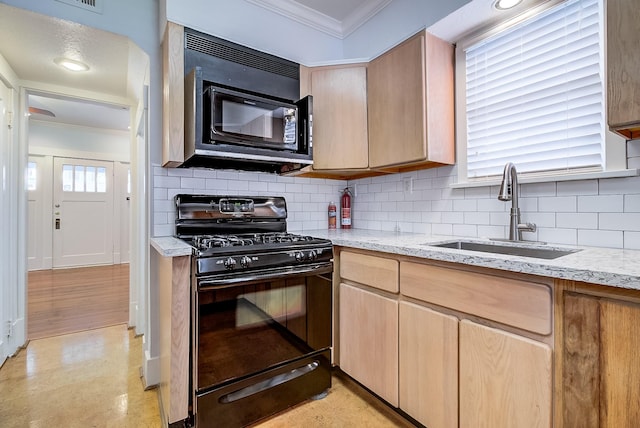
246, 56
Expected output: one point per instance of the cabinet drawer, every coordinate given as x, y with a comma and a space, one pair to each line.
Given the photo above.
522, 304
373, 271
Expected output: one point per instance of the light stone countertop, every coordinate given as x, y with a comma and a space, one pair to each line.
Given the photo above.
604, 266
168, 246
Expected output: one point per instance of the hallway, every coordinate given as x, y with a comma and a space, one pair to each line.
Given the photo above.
64, 301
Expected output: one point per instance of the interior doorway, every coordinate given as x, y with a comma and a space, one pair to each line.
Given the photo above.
78, 181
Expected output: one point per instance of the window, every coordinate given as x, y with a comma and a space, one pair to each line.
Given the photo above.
32, 176
533, 94
80, 178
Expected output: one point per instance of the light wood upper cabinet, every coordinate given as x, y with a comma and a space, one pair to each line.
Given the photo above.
505, 379
623, 65
411, 105
173, 95
340, 117
369, 340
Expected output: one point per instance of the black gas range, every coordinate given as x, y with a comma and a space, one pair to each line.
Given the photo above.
261, 299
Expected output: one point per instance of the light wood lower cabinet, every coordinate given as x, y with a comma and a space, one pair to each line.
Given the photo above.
600, 370
505, 379
369, 340
429, 366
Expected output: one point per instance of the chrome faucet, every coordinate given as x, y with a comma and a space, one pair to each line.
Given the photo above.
509, 192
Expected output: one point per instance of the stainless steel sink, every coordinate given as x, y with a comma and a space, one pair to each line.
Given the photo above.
526, 250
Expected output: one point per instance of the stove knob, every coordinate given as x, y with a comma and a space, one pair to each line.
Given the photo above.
313, 255
245, 262
300, 256
230, 263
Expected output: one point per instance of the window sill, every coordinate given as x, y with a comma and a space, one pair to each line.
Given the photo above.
550, 178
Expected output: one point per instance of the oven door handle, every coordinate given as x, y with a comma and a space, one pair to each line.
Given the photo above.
264, 275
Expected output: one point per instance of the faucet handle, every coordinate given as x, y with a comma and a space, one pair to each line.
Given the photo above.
527, 227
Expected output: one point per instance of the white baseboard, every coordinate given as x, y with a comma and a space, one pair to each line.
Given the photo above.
151, 371
18, 336
133, 315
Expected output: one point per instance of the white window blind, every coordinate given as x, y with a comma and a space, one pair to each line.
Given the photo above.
534, 94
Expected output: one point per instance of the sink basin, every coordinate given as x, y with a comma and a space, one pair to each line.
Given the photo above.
512, 250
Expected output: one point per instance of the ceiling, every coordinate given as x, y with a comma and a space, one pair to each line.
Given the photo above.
338, 18
31, 54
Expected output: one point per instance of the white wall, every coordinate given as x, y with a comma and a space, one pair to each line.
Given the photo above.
598, 212
78, 141
396, 22
250, 25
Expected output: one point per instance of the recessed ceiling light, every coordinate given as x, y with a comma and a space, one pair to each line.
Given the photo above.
71, 64
506, 4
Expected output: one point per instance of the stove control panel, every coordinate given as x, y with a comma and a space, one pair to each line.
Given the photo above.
224, 263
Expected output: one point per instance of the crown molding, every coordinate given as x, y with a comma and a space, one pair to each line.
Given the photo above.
319, 21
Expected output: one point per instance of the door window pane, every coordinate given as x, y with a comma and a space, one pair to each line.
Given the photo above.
32, 177
78, 185
67, 178
90, 181
101, 179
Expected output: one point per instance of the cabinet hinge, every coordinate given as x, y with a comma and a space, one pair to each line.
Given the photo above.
9, 119
8, 328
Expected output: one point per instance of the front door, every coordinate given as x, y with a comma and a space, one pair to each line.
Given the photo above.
82, 212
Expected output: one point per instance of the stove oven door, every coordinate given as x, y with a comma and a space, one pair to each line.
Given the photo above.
261, 346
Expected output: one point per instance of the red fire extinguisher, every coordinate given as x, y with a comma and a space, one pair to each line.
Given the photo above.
345, 210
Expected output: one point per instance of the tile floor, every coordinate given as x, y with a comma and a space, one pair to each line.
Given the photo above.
91, 379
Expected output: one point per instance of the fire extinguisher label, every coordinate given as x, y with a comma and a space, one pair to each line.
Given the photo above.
346, 217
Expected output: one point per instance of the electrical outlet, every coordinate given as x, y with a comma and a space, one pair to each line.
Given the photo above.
408, 185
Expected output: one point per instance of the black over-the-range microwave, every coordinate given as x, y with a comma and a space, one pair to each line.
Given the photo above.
242, 109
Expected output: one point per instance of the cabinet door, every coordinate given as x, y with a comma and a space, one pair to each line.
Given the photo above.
429, 366
340, 118
505, 379
411, 104
601, 375
369, 340
623, 63
397, 105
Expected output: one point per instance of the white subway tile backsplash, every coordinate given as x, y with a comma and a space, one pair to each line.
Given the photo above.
165, 181
179, 172
477, 218
537, 189
442, 229
632, 240
492, 232
193, 183
631, 203
558, 204
620, 186
601, 203
577, 220
578, 187
620, 221
603, 212
601, 238
465, 230
558, 236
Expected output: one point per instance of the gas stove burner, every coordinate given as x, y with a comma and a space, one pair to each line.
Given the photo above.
204, 242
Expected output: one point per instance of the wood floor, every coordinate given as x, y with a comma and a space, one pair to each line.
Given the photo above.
64, 301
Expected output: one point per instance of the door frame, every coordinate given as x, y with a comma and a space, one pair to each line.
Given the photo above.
139, 198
